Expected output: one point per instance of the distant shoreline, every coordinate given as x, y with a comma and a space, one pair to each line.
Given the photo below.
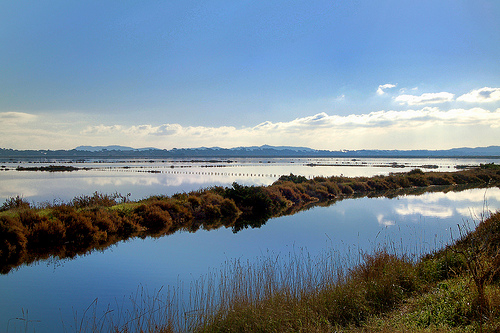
492, 152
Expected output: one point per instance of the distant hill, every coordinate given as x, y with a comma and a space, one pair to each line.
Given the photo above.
101, 148
83, 152
105, 148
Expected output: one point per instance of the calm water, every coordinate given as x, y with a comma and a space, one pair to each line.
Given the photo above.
144, 178
50, 293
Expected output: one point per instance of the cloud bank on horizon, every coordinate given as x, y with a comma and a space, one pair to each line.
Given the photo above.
473, 124
320, 74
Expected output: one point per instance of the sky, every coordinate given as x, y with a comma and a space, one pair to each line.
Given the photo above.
357, 74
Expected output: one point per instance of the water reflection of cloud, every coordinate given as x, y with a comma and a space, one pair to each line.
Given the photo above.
426, 210
473, 195
474, 212
121, 181
469, 204
7, 190
174, 180
384, 222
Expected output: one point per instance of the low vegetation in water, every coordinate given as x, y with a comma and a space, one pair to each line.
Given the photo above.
29, 233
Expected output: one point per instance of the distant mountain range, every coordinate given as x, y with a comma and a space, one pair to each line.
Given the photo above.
83, 152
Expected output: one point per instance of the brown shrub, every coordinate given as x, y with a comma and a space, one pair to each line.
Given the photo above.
332, 188
278, 201
229, 209
79, 228
290, 193
360, 186
179, 212
378, 184
346, 189
104, 219
418, 180
154, 218
12, 240
129, 223
400, 181
47, 234
194, 200
30, 218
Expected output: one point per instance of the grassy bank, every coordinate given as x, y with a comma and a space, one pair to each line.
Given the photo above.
33, 232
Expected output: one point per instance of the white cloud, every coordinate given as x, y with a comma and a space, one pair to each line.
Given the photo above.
429, 98
483, 95
101, 129
382, 87
424, 128
403, 90
16, 117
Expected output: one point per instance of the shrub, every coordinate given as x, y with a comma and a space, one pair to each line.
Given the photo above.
332, 188
179, 212
194, 200
416, 172
378, 185
418, 180
30, 218
16, 202
97, 199
441, 266
290, 193
79, 228
386, 280
229, 209
292, 178
346, 189
154, 218
47, 234
128, 225
440, 180
251, 200
105, 219
12, 240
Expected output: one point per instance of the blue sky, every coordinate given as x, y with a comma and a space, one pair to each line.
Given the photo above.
323, 74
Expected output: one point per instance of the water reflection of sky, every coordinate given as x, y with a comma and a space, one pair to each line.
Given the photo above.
55, 289
169, 177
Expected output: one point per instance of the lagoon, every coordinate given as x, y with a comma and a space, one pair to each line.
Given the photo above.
51, 293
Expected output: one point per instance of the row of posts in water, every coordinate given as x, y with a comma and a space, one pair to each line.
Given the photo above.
202, 173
